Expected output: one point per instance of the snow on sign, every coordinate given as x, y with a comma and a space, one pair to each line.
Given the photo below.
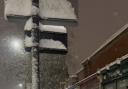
52, 28
18, 8
53, 39
52, 11
61, 9
52, 44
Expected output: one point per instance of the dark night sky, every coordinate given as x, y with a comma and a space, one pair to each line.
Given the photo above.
99, 19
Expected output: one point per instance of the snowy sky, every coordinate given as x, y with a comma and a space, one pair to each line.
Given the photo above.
99, 19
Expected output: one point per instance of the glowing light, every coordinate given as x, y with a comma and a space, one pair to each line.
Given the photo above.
16, 44
20, 85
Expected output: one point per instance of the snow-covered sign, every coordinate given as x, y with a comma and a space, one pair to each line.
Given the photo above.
58, 12
57, 9
52, 46
52, 28
53, 38
20, 8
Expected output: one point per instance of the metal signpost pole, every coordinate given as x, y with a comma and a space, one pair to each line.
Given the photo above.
35, 60
35, 51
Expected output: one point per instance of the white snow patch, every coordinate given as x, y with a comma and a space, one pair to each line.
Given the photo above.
35, 10
61, 9
124, 57
28, 42
52, 28
50, 43
18, 8
29, 24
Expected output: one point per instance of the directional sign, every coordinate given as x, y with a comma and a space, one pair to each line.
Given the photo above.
61, 9
53, 39
18, 8
58, 11
54, 12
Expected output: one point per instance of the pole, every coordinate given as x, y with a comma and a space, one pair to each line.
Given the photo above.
35, 50
35, 58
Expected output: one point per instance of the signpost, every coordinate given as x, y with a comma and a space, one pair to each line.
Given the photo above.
44, 30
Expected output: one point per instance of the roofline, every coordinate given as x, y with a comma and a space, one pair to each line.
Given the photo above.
111, 38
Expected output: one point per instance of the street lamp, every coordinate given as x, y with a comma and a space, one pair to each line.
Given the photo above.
16, 44
20, 85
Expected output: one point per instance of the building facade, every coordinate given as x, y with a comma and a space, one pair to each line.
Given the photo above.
107, 62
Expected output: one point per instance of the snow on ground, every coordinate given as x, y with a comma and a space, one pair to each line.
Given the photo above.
18, 7
50, 43
61, 9
52, 28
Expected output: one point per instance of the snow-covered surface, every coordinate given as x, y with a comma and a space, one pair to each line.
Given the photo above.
18, 7
35, 10
61, 9
50, 43
29, 24
52, 28
108, 41
28, 42
124, 57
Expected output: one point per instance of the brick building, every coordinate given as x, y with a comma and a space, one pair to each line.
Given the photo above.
101, 62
